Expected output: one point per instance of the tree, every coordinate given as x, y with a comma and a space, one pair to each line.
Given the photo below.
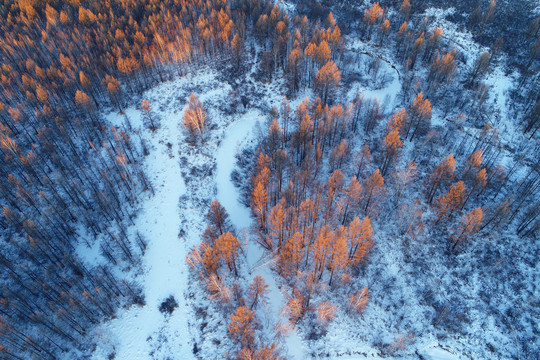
398, 120
321, 249
481, 66
327, 80
335, 183
267, 352
362, 159
489, 14
84, 101
470, 224
391, 143
237, 45
452, 201
218, 223
474, 161
323, 53
145, 107
405, 9
442, 69
443, 172
384, 30
372, 15
277, 221
353, 195
241, 327
359, 300
325, 313
218, 291
360, 239
291, 255
227, 245
259, 201
433, 41
257, 291
373, 188
338, 252
420, 116
402, 179
338, 155
194, 119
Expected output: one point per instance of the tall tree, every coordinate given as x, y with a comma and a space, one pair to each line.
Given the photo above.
242, 326
470, 224
327, 80
195, 119
373, 188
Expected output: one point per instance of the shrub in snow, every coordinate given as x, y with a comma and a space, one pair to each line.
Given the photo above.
168, 305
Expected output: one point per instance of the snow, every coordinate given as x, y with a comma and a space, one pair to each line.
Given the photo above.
227, 194
387, 75
438, 353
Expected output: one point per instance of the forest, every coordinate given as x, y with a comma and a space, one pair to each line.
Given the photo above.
268, 180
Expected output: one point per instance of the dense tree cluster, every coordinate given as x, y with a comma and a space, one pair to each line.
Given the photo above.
215, 263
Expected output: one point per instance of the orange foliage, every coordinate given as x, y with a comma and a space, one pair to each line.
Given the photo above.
359, 300
470, 224
452, 201
194, 119
241, 327
360, 239
374, 13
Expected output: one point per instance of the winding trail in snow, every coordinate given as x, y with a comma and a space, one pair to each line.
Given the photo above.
237, 133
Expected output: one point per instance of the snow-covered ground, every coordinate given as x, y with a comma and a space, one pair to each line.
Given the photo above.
227, 194
169, 225
137, 332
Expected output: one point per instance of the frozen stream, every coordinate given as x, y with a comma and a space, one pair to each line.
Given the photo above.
236, 134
